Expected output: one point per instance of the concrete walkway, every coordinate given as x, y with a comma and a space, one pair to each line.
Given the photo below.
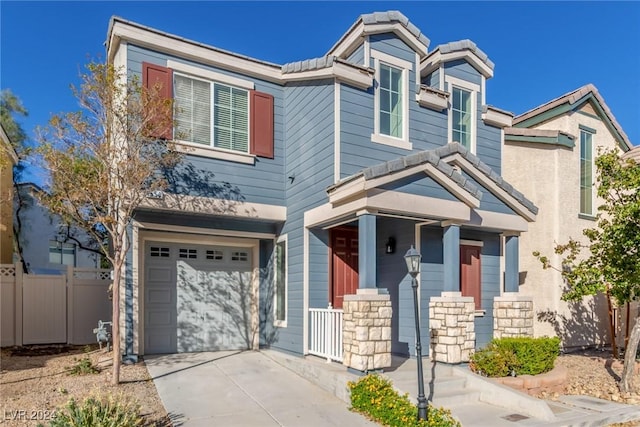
242, 389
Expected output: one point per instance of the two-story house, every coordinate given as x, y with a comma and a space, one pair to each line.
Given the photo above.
549, 153
305, 182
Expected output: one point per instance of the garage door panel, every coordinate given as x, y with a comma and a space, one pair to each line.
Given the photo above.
160, 318
161, 340
209, 289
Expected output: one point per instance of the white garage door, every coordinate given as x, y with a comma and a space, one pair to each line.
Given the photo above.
196, 298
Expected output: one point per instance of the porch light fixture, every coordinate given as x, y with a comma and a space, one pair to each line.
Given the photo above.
412, 258
390, 247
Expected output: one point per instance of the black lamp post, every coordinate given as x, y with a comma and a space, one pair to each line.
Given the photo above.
412, 257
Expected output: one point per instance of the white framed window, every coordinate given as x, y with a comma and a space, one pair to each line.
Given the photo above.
463, 111
280, 287
210, 113
391, 100
586, 172
62, 253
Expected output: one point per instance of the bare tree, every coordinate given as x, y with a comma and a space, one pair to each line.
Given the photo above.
105, 160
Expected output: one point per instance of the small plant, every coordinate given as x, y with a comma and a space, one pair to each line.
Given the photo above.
105, 411
516, 356
375, 397
83, 366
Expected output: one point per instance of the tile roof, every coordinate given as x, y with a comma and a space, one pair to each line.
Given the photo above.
395, 16
316, 64
465, 45
571, 98
435, 158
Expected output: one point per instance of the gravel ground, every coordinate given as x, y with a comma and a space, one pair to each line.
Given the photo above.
35, 381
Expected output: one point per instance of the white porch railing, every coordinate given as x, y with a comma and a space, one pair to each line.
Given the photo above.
326, 333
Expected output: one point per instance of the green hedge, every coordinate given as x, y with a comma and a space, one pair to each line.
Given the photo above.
375, 397
519, 356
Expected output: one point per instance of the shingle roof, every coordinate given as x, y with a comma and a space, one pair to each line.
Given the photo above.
633, 154
435, 158
571, 98
465, 45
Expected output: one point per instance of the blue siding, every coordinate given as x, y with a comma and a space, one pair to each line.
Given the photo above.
308, 129
390, 44
357, 57
461, 69
488, 144
201, 221
490, 285
262, 182
392, 275
432, 80
421, 185
489, 202
268, 333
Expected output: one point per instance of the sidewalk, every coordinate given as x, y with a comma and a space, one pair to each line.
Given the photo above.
473, 400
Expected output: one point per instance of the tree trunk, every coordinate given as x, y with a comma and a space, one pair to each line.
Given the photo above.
612, 330
115, 329
626, 382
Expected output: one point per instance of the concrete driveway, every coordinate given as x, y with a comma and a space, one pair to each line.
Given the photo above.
242, 389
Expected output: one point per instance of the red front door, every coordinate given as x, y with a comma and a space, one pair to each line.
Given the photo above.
470, 273
343, 264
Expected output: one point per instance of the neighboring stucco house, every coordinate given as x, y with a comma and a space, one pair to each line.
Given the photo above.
549, 155
8, 159
48, 245
305, 183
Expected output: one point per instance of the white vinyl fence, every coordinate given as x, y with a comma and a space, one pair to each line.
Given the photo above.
51, 309
326, 333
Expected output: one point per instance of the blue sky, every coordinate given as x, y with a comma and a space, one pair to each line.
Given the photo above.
541, 49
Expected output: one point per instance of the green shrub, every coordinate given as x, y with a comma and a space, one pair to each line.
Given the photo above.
519, 356
105, 411
83, 366
375, 397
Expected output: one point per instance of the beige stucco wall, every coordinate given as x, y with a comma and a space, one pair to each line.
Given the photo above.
6, 208
549, 175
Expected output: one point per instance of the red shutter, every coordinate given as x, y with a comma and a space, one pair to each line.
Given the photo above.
261, 124
153, 74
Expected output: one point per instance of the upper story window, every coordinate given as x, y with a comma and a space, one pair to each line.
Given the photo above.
586, 172
211, 113
391, 100
217, 115
62, 253
462, 112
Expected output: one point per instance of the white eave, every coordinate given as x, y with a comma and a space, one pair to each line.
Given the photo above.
433, 61
432, 98
152, 39
356, 35
493, 116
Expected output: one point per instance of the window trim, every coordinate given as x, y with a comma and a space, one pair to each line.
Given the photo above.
211, 76
450, 82
276, 322
405, 67
60, 246
587, 131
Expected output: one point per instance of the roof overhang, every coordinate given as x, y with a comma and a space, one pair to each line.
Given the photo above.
436, 58
356, 35
539, 136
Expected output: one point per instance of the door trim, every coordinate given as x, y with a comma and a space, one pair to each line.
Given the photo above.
345, 228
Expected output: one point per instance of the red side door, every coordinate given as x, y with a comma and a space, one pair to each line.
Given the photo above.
470, 273
343, 264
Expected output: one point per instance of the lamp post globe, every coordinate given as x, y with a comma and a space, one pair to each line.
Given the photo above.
412, 258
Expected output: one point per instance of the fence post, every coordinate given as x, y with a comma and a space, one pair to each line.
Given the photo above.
327, 333
69, 287
18, 305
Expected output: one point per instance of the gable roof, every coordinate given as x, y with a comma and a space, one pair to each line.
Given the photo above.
462, 49
376, 23
440, 159
569, 102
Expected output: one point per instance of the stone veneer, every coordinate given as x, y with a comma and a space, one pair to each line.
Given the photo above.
512, 316
451, 319
367, 330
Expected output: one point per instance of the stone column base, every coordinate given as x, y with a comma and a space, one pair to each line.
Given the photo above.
366, 336
512, 316
451, 319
